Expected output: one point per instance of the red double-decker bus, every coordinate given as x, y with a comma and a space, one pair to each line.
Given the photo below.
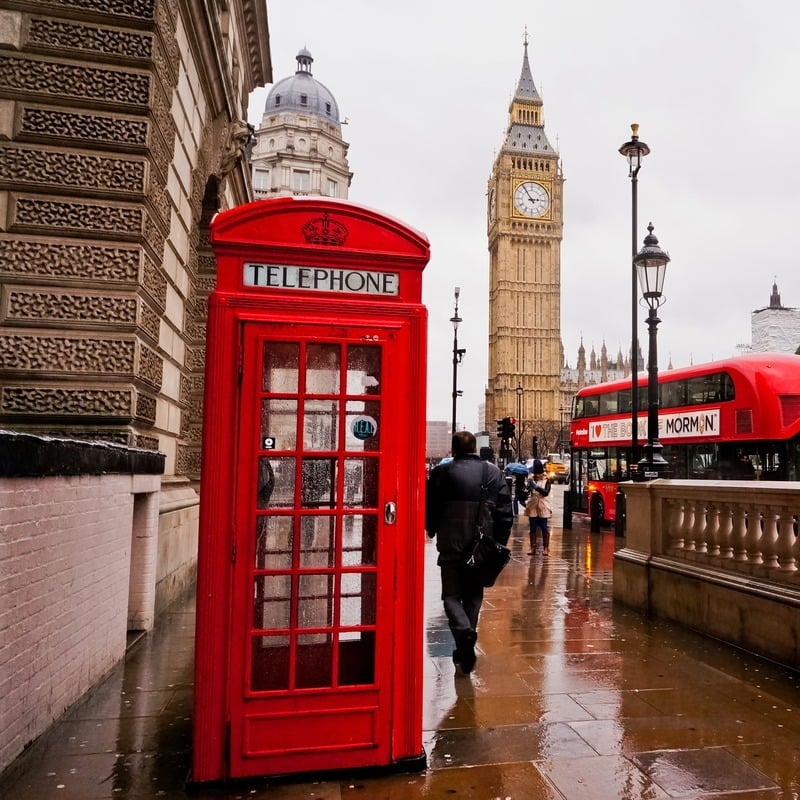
738, 418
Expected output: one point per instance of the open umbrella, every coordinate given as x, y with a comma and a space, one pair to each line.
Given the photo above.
516, 468
445, 460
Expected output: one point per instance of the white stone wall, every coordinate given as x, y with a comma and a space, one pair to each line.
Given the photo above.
775, 330
77, 557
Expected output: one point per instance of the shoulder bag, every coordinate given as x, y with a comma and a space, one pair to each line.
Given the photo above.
487, 557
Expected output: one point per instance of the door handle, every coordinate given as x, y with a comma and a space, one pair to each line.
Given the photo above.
390, 513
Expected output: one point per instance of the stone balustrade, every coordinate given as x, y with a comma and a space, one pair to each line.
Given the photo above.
722, 557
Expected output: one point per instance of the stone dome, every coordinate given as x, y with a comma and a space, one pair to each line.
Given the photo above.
303, 93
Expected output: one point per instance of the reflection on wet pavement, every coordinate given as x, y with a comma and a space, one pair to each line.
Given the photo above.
572, 697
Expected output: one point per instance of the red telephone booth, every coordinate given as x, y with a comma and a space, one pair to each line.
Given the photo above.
310, 566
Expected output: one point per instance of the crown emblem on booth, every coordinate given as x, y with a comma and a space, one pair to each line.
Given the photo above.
324, 230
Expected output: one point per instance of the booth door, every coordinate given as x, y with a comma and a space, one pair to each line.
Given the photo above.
314, 557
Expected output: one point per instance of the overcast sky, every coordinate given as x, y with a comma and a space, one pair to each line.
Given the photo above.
426, 87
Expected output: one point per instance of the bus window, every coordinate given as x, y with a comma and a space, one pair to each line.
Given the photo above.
624, 401
727, 392
590, 407
706, 388
608, 403
622, 464
702, 462
772, 468
673, 394
676, 458
597, 466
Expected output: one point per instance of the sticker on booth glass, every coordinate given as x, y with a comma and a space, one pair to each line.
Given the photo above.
269, 443
364, 427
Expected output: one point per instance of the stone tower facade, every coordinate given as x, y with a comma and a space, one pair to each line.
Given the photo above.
525, 225
299, 149
122, 132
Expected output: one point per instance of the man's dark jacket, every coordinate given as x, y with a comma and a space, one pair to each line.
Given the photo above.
453, 496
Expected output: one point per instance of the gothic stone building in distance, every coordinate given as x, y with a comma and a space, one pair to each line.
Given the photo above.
122, 128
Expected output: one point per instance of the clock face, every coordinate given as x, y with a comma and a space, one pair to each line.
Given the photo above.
492, 205
531, 199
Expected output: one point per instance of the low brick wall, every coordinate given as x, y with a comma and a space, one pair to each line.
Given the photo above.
78, 559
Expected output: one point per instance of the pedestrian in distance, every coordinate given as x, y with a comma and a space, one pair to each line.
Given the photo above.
539, 508
451, 513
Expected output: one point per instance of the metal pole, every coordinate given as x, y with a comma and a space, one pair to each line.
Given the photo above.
519, 421
455, 376
634, 324
653, 463
634, 150
455, 320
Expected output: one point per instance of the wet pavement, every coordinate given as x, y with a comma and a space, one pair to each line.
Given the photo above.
572, 697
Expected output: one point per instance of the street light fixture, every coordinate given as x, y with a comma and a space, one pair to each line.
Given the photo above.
520, 390
458, 355
651, 265
634, 151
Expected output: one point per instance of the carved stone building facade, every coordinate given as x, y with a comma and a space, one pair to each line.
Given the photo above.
122, 129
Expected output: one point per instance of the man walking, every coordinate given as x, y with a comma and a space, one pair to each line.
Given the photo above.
452, 503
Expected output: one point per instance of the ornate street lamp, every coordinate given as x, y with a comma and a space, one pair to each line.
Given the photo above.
634, 151
457, 356
651, 265
520, 390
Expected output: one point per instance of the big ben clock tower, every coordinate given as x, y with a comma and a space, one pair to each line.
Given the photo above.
525, 228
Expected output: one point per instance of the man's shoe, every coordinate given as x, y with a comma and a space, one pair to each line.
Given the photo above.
464, 654
468, 658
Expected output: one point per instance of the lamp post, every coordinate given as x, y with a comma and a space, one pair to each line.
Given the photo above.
563, 412
520, 390
634, 151
457, 356
651, 265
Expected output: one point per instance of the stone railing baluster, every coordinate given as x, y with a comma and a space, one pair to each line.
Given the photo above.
700, 527
674, 520
769, 538
689, 510
725, 535
786, 542
712, 529
752, 539
739, 532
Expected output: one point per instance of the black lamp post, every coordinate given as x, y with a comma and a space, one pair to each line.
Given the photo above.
457, 356
520, 390
651, 265
634, 151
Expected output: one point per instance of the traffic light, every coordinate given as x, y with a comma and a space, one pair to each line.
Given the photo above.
509, 427
501, 427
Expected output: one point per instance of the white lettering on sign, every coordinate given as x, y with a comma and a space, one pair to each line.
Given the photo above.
681, 425
321, 279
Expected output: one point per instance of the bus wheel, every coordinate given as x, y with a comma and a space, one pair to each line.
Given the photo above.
595, 513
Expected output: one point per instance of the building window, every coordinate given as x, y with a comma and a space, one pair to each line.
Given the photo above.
261, 180
328, 108
331, 190
301, 180
277, 99
303, 99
